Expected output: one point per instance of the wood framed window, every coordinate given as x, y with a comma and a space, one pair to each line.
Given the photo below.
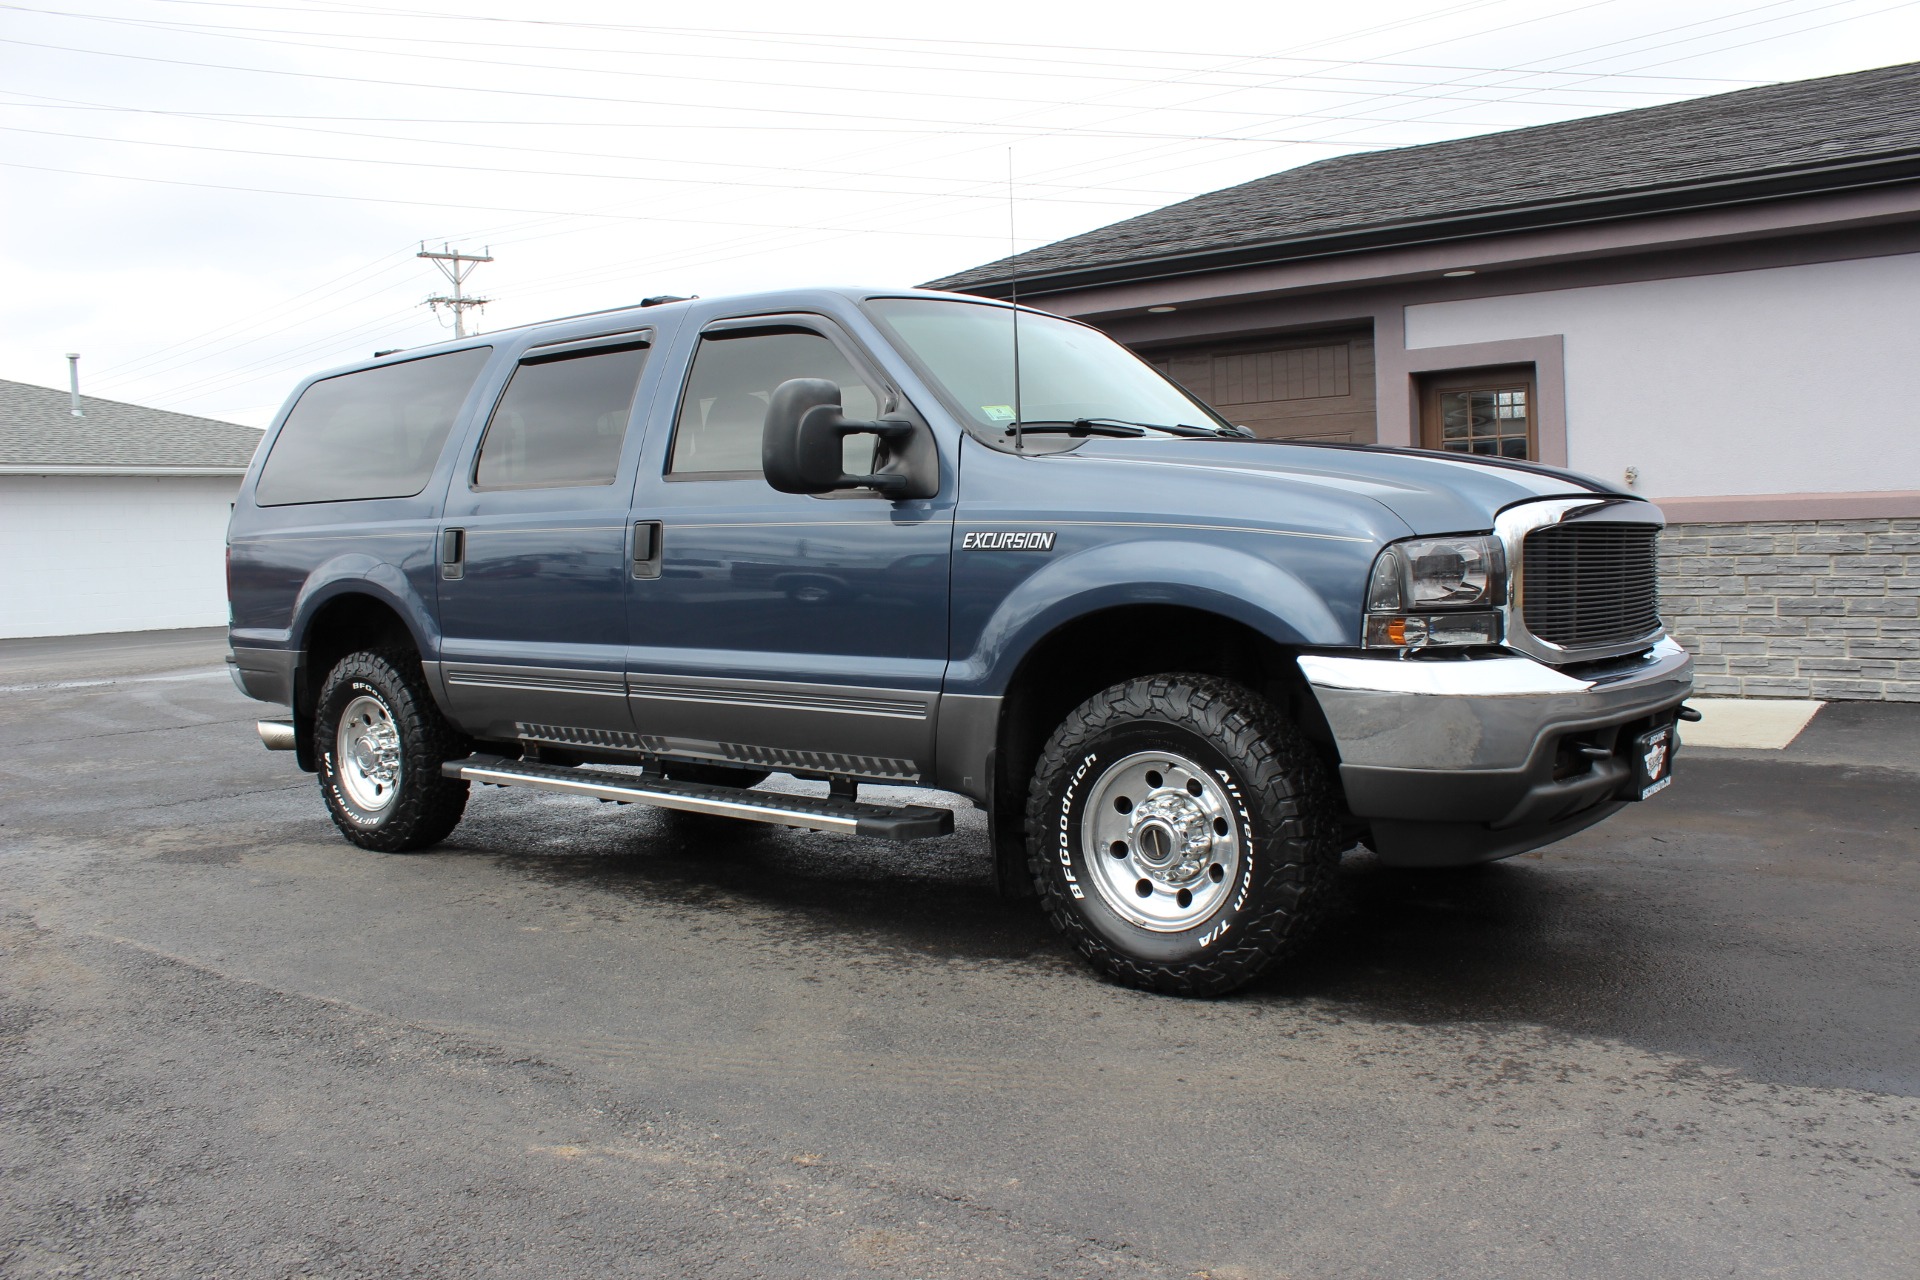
1493, 413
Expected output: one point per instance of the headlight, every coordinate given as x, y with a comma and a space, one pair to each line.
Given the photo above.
1460, 578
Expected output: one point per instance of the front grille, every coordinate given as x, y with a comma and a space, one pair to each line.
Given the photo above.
1587, 585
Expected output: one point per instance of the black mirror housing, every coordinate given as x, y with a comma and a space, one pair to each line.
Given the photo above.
802, 446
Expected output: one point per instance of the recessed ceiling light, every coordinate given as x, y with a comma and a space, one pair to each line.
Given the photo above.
1455, 275
1161, 310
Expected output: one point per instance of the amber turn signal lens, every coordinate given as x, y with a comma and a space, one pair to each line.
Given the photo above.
1397, 631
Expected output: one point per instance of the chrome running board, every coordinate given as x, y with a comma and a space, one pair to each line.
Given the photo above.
817, 813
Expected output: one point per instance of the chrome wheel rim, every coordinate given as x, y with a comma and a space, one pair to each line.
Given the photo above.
1160, 841
367, 754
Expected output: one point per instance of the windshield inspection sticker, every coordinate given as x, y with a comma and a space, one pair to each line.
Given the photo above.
998, 412
1017, 540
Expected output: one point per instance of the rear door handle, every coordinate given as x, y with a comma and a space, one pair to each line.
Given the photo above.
646, 548
453, 554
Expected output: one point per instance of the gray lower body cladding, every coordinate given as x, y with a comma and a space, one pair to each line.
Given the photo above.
265, 674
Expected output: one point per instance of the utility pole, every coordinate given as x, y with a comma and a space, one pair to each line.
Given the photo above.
456, 267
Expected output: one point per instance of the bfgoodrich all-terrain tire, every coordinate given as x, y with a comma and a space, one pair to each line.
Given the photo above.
380, 742
1181, 834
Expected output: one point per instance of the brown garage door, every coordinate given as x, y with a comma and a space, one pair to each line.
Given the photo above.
1315, 386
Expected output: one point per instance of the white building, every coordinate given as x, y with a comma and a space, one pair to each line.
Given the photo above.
115, 520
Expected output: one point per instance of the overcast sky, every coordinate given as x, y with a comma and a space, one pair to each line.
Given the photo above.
211, 198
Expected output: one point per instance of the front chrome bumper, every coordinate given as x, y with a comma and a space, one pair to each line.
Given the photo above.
1465, 759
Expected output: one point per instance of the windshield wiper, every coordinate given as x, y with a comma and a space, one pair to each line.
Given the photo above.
1080, 427
1125, 427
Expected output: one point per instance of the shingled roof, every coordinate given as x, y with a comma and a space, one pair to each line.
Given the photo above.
1808, 136
38, 429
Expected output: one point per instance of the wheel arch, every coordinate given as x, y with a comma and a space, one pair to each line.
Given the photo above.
340, 615
1224, 582
1093, 651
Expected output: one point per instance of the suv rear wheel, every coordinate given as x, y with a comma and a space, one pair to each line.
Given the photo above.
380, 741
1181, 834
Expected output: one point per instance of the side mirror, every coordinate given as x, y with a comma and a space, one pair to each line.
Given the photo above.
803, 446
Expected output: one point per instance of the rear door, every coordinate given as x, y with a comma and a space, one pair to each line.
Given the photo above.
783, 630
533, 547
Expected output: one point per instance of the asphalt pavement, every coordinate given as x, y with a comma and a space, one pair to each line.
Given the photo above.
589, 1040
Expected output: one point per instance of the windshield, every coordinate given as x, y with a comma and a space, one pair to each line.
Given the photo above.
1068, 372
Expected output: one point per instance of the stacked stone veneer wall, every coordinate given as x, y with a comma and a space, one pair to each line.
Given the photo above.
1797, 609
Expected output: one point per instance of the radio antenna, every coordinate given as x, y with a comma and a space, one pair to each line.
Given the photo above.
1013, 254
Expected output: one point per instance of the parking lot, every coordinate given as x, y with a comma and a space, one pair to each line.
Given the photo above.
588, 1040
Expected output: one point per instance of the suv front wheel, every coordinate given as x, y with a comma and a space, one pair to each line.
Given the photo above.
1181, 834
380, 741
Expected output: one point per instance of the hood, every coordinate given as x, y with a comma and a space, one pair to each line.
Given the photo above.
1432, 493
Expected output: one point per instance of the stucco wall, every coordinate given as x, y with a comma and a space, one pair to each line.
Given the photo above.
81, 554
1796, 379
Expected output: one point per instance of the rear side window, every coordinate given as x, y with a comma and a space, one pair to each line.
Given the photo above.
561, 421
372, 434
724, 408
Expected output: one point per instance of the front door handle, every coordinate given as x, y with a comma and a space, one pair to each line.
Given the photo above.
453, 554
646, 548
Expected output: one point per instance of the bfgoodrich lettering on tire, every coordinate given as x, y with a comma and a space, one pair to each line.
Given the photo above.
380, 742
1181, 834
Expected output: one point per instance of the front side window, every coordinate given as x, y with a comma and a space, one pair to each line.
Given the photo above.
561, 421
724, 408
1067, 371
376, 433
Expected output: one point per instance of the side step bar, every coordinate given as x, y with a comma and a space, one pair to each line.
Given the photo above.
818, 813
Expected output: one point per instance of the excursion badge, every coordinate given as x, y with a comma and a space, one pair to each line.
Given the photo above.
1012, 540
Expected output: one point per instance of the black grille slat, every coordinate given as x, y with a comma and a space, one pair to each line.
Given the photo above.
1591, 584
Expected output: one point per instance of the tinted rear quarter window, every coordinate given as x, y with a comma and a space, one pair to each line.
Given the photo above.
561, 422
376, 433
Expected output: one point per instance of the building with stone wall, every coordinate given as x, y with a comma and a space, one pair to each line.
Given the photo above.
1715, 303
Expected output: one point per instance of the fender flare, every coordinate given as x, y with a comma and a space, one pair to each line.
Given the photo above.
354, 573
1231, 583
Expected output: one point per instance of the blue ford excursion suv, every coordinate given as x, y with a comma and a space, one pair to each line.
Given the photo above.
655, 554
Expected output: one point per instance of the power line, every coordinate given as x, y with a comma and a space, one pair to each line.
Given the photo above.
248, 324
448, 204
941, 124
1049, 54
537, 173
218, 342
43, 103
1055, 72
788, 234
1833, 4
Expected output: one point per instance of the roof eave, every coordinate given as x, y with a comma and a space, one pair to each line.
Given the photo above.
1691, 197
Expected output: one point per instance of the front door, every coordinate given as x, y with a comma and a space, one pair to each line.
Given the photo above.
783, 630
533, 549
